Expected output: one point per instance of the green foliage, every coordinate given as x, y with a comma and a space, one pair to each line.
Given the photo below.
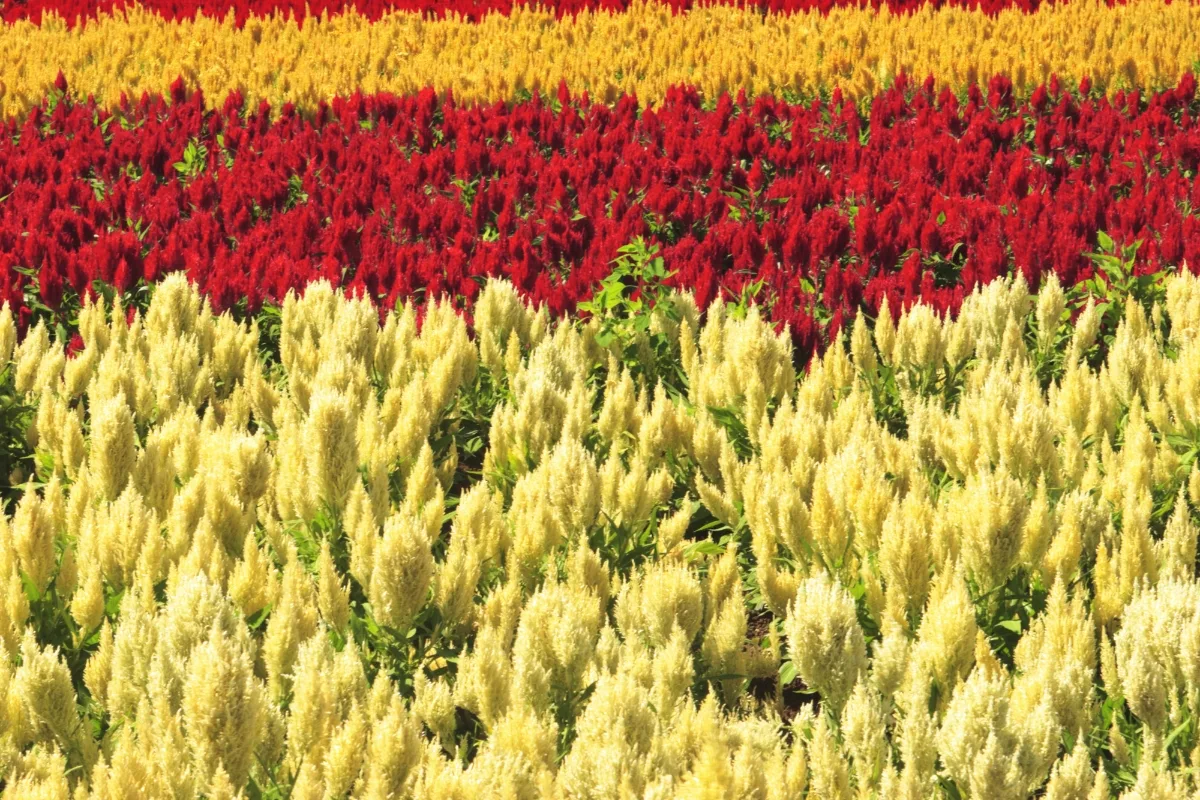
1116, 282
296, 193
195, 158
626, 297
749, 296
626, 303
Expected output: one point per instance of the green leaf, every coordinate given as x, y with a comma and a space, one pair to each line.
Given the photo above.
706, 547
1177, 732
112, 606
787, 673
256, 621
1105, 241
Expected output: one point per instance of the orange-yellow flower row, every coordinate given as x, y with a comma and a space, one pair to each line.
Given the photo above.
647, 49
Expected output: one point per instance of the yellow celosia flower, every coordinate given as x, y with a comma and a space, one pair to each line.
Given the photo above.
641, 50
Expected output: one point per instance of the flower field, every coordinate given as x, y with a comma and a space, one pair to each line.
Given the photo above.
607, 400
645, 50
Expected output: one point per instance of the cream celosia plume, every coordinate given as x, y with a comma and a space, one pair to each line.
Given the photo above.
421, 558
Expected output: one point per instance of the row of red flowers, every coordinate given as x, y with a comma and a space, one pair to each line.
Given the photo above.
75, 10
926, 197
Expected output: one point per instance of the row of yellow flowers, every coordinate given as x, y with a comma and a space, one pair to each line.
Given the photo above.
1145, 43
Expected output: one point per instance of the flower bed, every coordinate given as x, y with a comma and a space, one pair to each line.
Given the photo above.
816, 209
645, 50
78, 11
619, 400
356, 559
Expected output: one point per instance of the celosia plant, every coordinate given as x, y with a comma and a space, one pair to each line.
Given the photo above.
644, 49
814, 211
415, 558
77, 12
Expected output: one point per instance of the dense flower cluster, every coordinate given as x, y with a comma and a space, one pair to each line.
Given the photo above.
645, 50
956, 558
819, 209
79, 11
599, 399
